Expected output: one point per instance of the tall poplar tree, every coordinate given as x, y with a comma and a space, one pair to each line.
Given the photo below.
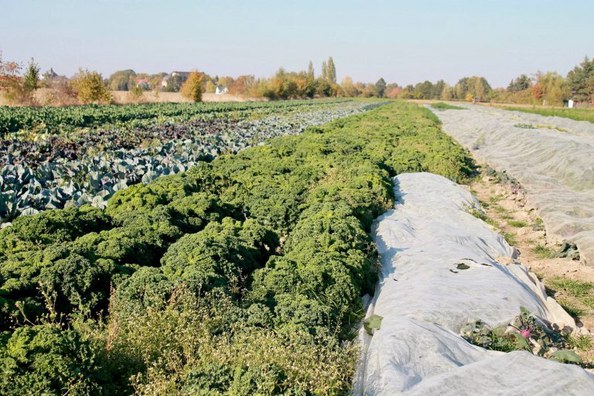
331, 71
310, 71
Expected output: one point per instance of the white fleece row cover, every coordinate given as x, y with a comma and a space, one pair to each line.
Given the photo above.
425, 300
552, 157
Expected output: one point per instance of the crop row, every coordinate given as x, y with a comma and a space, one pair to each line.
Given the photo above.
55, 120
243, 275
90, 169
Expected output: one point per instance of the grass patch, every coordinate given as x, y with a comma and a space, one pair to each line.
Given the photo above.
543, 252
502, 212
576, 297
484, 204
538, 224
578, 289
446, 106
478, 214
517, 223
574, 114
510, 238
581, 342
495, 198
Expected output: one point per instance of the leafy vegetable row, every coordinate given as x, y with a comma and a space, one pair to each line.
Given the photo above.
54, 120
240, 276
90, 169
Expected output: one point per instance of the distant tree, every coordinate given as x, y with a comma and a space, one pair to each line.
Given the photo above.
331, 71
393, 90
49, 75
479, 89
225, 81
310, 71
283, 85
90, 88
581, 81
31, 76
469, 88
380, 88
8, 69
309, 90
367, 90
324, 71
192, 88
242, 85
550, 88
407, 92
10, 82
122, 80
446, 92
174, 83
348, 88
520, 83
324, 88
437, 89
210, 87
423, 90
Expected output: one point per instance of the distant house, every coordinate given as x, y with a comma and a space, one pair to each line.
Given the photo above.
51, 79
183, 75
143, 83
174, 80
220, 90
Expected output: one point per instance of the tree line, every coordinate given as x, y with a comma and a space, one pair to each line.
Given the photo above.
543, 88
18, 85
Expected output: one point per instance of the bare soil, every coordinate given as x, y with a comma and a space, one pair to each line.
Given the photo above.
124, 97
53, 97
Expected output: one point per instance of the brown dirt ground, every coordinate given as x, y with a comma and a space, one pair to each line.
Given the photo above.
504, 205
123, 97
46, 96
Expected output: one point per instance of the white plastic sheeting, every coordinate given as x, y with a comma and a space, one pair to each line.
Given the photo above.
552, 157
425, 299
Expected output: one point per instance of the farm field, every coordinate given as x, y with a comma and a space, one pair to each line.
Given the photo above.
551, 157
351, 199
56, 157
241, 275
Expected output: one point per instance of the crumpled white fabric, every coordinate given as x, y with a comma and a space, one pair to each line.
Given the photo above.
552, 157
425, 300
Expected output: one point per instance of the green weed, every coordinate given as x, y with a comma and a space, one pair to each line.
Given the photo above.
517, 223
577, 297
446, 106
574, 114
580, 342
543, 252
510, 238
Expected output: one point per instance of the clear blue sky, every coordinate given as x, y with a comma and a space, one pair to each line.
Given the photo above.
404, 41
